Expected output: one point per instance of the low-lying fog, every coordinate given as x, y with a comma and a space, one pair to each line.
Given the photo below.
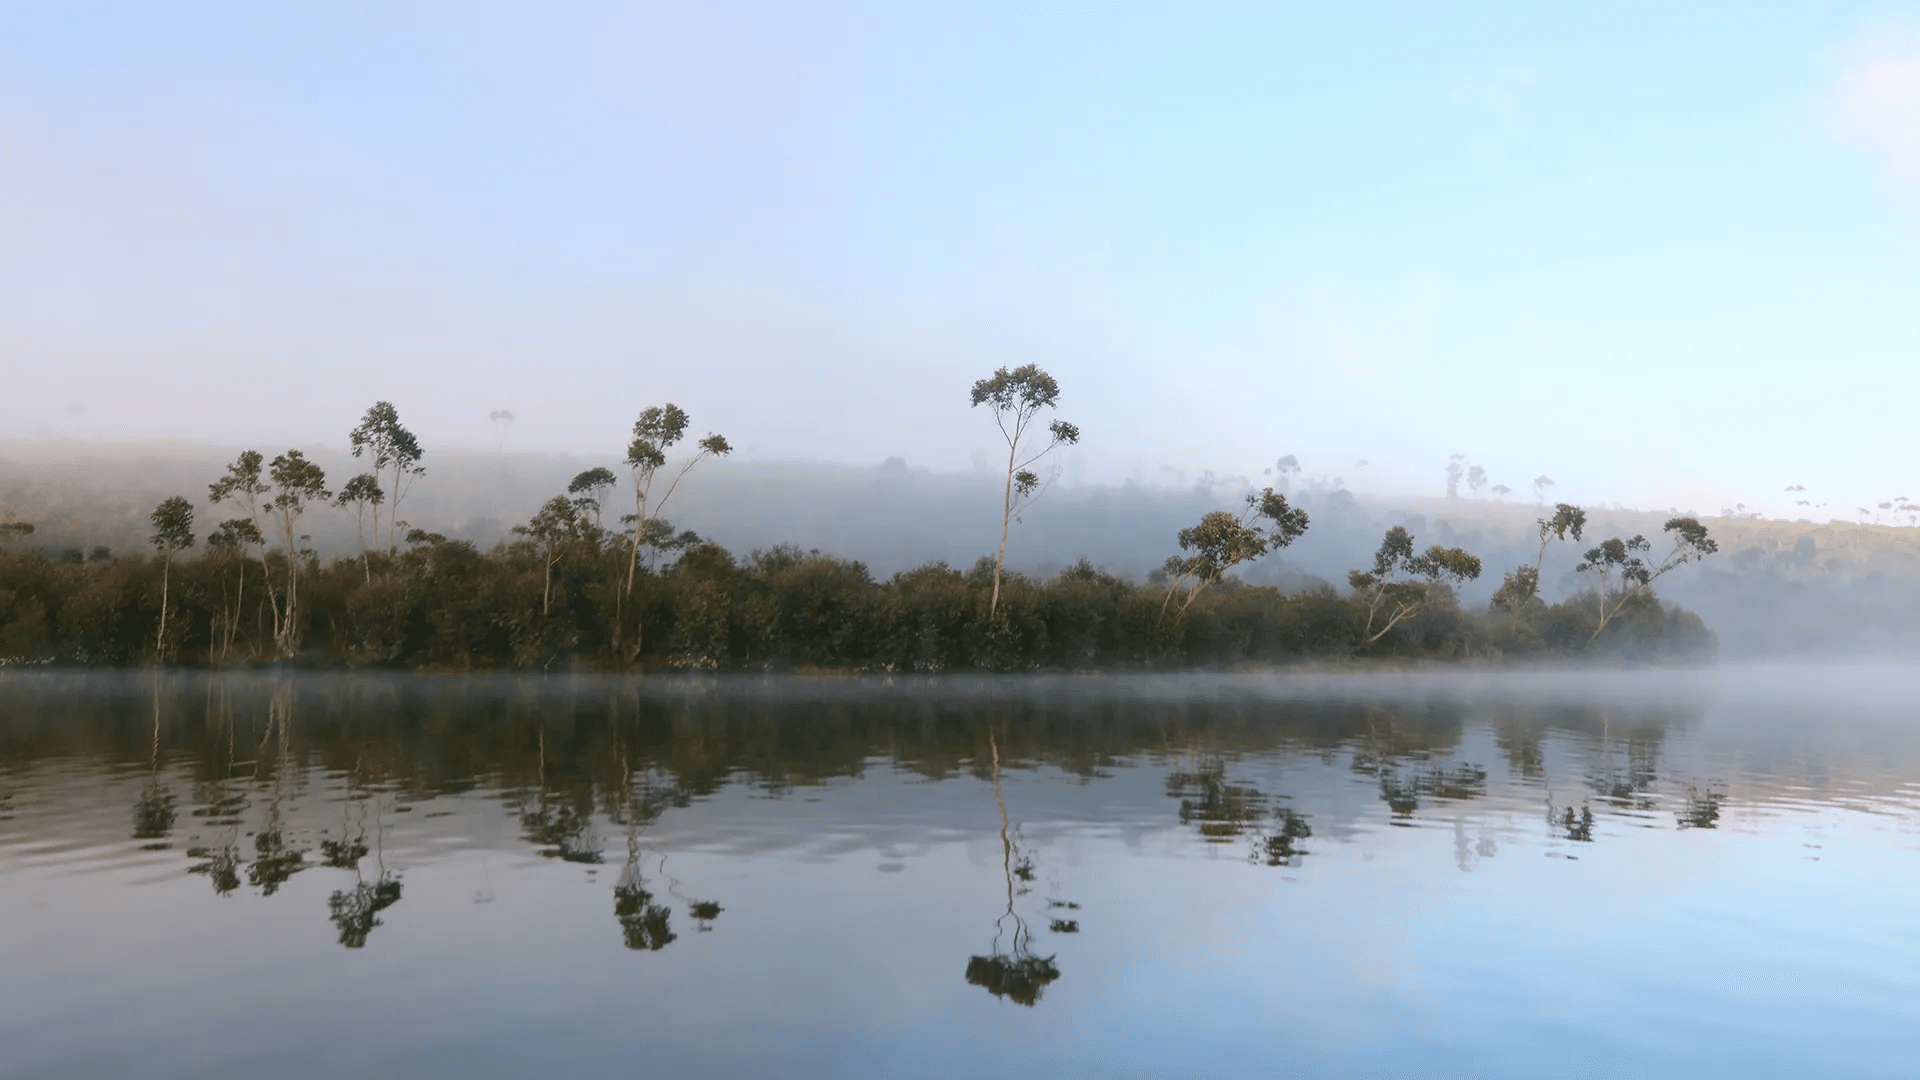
1775, 588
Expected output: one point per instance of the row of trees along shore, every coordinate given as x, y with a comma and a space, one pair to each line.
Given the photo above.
583, 586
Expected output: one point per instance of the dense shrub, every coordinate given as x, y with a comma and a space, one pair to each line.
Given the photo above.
443, 605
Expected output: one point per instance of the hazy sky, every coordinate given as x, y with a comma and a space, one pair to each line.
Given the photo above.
1663, 256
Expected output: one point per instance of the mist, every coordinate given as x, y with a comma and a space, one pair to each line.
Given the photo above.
1775, 588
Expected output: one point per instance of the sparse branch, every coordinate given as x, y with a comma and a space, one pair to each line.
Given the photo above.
1016, 396
1626, 559
1223, 541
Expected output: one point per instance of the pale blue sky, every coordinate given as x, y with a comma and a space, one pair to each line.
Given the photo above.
1667, 257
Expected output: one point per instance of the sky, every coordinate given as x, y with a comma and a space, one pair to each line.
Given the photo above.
1668, 255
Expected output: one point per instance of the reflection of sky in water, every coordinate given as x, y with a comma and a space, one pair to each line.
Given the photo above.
508, 907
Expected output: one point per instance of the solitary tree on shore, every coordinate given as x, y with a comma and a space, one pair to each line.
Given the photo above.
172, 532
1016, 397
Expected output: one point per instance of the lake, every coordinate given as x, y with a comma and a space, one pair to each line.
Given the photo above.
1669, 873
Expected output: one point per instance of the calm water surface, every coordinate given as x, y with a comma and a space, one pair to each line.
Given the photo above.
1668, 874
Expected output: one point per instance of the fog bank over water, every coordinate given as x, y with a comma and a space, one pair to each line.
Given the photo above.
1774, 588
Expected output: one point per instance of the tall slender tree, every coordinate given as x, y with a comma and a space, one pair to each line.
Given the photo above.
657, 430
1016, 398
1520, 587
172, 533
244, 488
557, 523
362, 493
393, 448
234, 537
589, 490
299, 482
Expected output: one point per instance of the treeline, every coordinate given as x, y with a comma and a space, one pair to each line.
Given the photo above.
574, 592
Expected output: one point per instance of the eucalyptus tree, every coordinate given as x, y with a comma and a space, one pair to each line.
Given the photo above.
298, 483
244, 489
172, 524
657, 430
1288, 469
233, 537
557, 522
362, 493
1016, 398
1520, 587
589, 490
393, 448
1403, 584
1540, 485
1624, 561
1223, 541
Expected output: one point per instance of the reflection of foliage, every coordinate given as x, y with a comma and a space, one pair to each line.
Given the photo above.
1628, 790
565, 830
153, 812
704, 912
1222, 810
1225, 810
274, 862
643, 923
1278, 846
1402, 794
343, 854
1702, 810
1020, 978
356, 911
1578, 828
222, 866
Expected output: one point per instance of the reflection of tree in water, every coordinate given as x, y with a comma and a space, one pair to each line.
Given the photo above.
1224, 811
1380, 753
644, 925
1629, 788
153, 812
1578, 828
1702, 809
562, 825
1017, 974
221, 808
274, 859
355, 911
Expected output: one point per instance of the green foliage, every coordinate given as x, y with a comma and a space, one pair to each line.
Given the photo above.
1223, 541
1016, 396
172, 526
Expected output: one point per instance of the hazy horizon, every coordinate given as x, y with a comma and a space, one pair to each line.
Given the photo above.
1664, 259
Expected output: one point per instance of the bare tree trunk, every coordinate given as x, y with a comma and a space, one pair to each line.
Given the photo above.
1006, 517
160, 641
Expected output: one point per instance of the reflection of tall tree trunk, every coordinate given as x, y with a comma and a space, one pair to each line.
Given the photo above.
153, 812
1016, 974
643, 923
